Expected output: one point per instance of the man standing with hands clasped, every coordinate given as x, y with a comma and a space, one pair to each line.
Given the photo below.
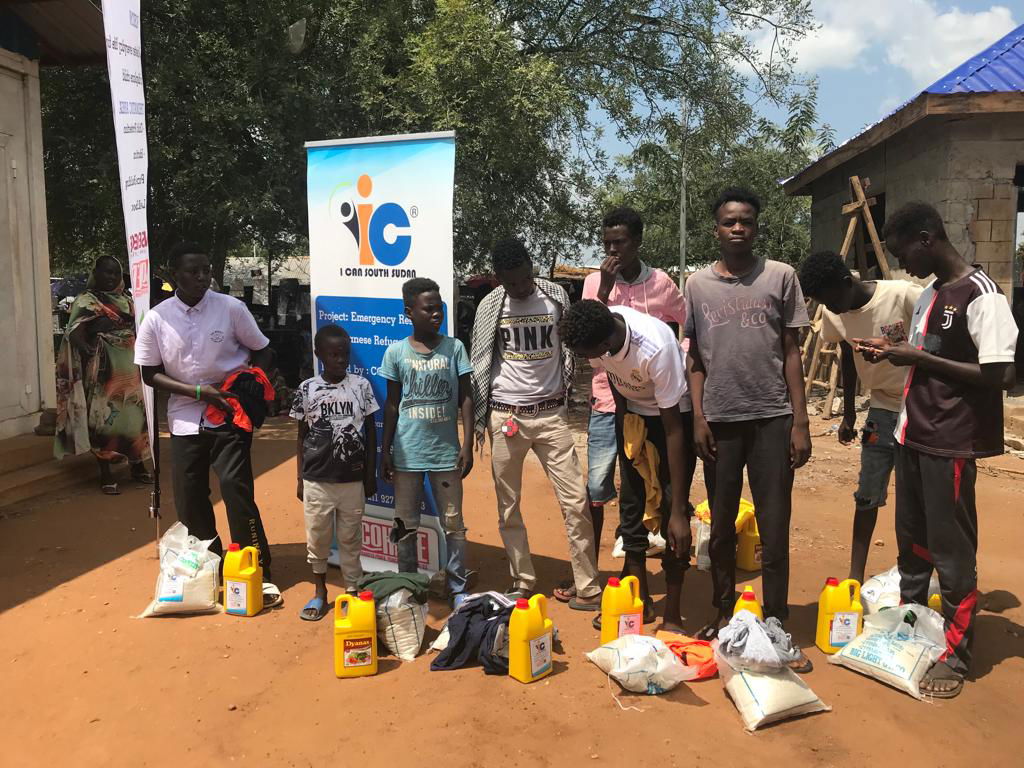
960, 359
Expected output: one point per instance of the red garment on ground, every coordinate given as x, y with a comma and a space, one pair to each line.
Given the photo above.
214, 416
692, 652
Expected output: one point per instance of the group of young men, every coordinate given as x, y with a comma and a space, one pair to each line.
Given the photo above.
935, 361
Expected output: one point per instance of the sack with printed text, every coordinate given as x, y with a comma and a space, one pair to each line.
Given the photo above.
897, 647
763, 698
189, 575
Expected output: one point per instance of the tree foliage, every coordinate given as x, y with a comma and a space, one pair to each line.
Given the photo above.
235, 88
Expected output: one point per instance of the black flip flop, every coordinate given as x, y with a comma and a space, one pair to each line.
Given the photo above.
576, 605
950, 675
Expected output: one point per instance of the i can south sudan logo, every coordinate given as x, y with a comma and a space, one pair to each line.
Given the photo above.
382, 232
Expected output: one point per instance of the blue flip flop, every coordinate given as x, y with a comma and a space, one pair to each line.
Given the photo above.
319, 605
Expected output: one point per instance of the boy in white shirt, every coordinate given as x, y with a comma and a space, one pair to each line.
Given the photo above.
646, 369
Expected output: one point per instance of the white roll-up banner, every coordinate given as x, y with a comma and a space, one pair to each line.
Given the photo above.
380, 213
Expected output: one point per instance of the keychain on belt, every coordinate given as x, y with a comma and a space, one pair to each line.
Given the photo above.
509, 428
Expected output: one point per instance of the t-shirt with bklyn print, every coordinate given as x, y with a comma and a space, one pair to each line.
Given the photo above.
333, 450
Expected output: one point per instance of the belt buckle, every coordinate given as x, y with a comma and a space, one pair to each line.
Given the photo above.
528, 410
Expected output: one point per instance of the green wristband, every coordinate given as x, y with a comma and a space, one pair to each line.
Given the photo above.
198, 387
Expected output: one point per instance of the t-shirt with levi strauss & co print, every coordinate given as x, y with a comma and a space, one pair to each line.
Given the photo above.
738, 324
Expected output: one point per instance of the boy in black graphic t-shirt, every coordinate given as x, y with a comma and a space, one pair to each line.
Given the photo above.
960, 356
337, 449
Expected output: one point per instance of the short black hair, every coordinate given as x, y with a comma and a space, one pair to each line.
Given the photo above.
912, 218
821, 270
586, 324
509, 253
736, 195
413, 288
181, 250
330, 332
625, 217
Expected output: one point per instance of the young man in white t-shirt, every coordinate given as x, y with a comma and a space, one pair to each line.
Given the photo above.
646, 369
864, 309
521, 378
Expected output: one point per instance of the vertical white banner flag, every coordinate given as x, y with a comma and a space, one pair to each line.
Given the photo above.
380, 212
122, 25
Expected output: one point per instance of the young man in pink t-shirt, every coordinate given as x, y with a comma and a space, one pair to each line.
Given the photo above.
623, 280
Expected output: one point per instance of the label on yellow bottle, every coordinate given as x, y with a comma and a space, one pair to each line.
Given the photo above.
237, 593
630, 624
843, 629
757, 553
358, 652
540, 654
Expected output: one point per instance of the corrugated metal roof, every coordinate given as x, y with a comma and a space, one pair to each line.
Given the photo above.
1000, 67
997, 69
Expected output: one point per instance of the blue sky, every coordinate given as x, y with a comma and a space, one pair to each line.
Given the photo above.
872, 55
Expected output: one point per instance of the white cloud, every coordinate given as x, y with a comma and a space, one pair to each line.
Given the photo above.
916, 36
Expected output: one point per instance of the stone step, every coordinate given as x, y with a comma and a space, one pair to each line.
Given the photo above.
24, 451
42, 477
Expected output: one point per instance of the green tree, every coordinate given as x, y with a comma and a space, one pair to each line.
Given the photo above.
235, 88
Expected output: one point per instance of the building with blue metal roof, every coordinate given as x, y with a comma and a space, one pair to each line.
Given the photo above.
958, 144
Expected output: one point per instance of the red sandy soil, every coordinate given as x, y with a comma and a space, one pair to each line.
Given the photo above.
87, 684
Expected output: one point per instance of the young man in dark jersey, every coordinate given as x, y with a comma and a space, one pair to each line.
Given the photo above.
960, 356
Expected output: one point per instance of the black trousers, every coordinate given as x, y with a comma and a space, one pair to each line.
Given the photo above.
633, 495
762, 446
229, 454
937, 527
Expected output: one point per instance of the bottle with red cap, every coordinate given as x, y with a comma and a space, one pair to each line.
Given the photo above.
530, 636
840, 614
622, 610
748, 602
243, 581
355, 635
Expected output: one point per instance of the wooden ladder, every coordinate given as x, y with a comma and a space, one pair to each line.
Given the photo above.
822, 361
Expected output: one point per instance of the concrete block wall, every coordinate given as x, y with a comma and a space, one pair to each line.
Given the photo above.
964, 167
985, 151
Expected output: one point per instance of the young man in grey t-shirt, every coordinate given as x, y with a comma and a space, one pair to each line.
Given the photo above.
749, 409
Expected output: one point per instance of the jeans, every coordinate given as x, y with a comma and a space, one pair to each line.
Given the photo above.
602, 451
446, 488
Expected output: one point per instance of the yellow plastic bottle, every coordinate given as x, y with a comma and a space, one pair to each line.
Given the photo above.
243, 581
622, 610
355, 635
748, 602
748, 550
840, 614
530, 636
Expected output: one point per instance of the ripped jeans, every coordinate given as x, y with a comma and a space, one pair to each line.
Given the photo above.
447, 492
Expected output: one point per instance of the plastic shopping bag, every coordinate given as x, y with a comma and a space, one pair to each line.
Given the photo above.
189, 575
400, 624
883, 590
641, 664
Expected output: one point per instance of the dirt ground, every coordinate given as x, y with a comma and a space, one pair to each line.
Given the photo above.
85, 680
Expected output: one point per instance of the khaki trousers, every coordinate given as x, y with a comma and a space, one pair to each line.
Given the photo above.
548, 435
334, 508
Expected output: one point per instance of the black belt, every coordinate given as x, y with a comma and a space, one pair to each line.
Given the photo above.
528, 410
